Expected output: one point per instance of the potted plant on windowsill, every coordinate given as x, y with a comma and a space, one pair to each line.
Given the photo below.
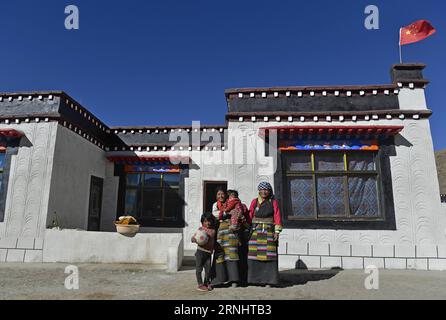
127, 225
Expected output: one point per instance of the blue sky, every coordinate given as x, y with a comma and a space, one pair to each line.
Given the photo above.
139, 62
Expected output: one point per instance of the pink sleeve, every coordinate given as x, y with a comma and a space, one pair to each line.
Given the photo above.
277, 214
252, 208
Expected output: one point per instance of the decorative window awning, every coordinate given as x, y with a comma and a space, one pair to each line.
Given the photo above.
334, 131
307, 145
152, 169
11, 133
149, 161
293, 138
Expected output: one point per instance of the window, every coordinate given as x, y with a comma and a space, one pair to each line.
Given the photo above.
153, 198
331, 185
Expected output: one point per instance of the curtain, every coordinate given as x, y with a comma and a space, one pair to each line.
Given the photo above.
330, 162
361, 162
330, 196
301, 192
363, 196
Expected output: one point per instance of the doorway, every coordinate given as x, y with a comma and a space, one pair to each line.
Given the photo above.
210, 192
95, 204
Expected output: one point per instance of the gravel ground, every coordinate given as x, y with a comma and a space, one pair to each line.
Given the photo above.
105, 282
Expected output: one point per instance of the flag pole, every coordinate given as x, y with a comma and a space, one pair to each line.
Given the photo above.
401, 51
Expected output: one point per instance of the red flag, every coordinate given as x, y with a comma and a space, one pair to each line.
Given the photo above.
417, 31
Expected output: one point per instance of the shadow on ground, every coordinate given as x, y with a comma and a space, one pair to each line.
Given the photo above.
294, 277
298, 277
301, 275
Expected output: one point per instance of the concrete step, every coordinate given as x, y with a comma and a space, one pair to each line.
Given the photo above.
189, 253
189, 258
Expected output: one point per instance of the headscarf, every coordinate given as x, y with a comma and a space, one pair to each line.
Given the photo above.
265, 186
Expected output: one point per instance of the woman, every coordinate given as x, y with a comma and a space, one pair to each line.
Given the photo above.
263, 262
226, 254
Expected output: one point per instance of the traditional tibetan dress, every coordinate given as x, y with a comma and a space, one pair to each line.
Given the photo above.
226, 254
263, 262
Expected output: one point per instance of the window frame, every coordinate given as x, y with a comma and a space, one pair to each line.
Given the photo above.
348, 217
147, 221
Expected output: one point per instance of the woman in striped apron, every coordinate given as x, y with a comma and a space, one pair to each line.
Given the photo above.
226, 254
263, 262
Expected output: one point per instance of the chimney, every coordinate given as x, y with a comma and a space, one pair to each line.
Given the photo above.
409, 73
411, 83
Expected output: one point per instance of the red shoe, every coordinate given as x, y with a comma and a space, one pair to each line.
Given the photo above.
203, 288
210, 288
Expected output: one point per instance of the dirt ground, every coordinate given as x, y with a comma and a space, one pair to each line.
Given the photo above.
104, 282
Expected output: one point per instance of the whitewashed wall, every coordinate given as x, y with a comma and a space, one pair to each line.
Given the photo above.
22, 232
202, 170
75, 161
109, 198
72, 246
415, 185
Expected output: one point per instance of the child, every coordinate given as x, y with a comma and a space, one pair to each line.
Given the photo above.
204, 252
235, 208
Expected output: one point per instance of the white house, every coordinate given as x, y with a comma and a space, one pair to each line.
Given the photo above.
353, 168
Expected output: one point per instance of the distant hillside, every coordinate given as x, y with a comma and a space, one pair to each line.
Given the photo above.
440, 157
